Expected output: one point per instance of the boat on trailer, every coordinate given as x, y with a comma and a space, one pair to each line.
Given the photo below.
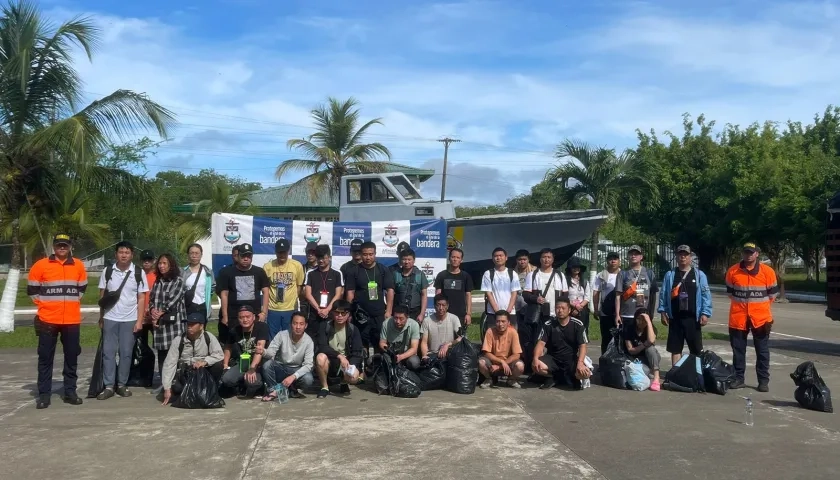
375, 197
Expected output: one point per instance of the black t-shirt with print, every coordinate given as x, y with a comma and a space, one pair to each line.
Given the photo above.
358, 280
243, 286
689, 286
562, 342
240, 341
455, 286
320, 281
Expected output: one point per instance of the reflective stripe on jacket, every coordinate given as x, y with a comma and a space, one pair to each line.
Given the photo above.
751, 292
57, 288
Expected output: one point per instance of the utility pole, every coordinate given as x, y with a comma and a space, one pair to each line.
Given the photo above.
446, 141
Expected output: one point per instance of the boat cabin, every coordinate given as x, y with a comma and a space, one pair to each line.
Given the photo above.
371, 197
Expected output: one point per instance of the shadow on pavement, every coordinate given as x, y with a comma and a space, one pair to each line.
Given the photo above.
814, 347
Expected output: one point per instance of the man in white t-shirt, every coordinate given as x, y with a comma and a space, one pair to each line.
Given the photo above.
501, 288
543, 287
122, 294
603, 296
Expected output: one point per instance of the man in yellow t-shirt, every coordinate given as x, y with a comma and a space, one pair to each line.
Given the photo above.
287, 279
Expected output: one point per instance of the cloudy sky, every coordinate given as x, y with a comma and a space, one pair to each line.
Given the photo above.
510, 79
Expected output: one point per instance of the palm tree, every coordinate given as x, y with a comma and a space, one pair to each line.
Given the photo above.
44, 138
607, 181
198, 225
334, 148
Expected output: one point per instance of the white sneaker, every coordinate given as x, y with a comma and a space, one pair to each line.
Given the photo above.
585, 383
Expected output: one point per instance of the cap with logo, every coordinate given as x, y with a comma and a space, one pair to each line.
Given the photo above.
356, 245
197, 317
684, 248
635, 248
323, 251
62, 238
750, 247
246, 249
311, 246
147, 255
282, 246
402, 246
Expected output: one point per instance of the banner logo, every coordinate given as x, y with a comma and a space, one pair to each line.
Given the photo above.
232, 234
428, 269
391, 239
313, 233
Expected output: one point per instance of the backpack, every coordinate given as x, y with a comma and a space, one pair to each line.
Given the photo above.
492, 276
183, 339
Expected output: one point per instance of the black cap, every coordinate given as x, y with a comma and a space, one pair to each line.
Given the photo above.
750, 247
197, 317
402, 246
612, 255
245, 308
310, 246
147, 255
322, 251
282, 246
356, 245
62, 238
246, 248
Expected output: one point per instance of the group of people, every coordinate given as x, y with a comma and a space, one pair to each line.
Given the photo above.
287, 325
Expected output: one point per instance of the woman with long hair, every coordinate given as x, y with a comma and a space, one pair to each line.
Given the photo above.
198, 282
166, 303
641, 344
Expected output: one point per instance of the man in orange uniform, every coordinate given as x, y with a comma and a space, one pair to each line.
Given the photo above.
752, 288
56, 285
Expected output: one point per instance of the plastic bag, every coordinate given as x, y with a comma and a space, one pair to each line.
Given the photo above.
142, 372
637, 378
404, 383
686, 375
433, 375
717, 374
462, 367
612, 362
200, 391
811, 391
97, 380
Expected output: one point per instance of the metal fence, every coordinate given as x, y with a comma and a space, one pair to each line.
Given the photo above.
656, 257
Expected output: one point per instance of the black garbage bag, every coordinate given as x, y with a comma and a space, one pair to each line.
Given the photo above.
142, 372
200, 391
462, 367
404, 382
686, 375
611, 363
432, 375
382, 372
717, 374
811, 391
97, 380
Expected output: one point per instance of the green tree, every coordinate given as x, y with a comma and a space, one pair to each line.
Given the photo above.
334, 149
197, 225
604, 179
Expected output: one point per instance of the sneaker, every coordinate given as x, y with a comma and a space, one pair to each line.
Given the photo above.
296, 394
484, 385
547, 383
323, 393
72, 399
105, 395
42, 402
654, 387
764, 386
344, 388
123, 391
738, 383
514, 384
585, 383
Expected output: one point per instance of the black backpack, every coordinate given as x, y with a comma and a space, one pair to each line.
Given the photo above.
492, 276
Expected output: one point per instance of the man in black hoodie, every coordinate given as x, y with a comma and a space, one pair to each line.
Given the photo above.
339, 347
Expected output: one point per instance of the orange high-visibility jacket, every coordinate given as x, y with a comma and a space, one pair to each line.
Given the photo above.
56, 289
751, 293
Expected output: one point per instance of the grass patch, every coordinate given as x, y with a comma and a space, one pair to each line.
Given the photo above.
797, 282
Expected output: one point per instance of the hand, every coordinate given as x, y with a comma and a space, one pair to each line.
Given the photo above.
344, 362
101, 323
288, 381
251, 376
540, 300
259, 350
138, 326
704, 320
617, 320
167, 395
665, 319
505, 368
261, 316
535, 367
468, 319
443, 350
199, 364
582, 371
156, 314
323, 312
420, 319
224, 320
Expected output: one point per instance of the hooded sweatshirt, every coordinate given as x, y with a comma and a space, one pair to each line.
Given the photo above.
193, 351
579, 290
284, 351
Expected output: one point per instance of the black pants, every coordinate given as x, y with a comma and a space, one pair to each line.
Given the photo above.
529, 334
761, 341
313, 325
178, 384
684, 329
233, 321
370, 332
47, 340
161, 356
584, 317
607, 324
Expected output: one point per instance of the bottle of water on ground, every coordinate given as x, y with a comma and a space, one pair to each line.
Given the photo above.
748, 421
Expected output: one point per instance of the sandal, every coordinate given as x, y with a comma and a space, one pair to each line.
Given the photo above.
270, 397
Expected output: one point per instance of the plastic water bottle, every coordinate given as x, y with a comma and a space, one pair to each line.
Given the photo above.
282, 394
749, 413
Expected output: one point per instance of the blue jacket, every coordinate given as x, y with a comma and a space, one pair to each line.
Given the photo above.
704, 295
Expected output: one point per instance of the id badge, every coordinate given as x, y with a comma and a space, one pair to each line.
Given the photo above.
323, 302
373, 291
281, 292
683, 301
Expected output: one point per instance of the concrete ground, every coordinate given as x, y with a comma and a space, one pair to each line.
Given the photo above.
503, 433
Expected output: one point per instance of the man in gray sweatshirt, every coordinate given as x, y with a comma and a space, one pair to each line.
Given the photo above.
194, 349
289, 359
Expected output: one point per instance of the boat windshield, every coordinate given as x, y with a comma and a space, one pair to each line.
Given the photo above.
405, 188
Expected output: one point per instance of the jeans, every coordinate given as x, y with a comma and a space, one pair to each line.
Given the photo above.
235, 379
117, 337
761, 341
47, 341
274, 373
278, 321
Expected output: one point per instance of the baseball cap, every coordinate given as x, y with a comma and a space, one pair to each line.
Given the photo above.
684, 248
281, 246
750, 247
147, 255
311, 246
322, 251
197, 317
356, 245
245, 308
635, 248
246, 249
612, 255
402, 246
61, 238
